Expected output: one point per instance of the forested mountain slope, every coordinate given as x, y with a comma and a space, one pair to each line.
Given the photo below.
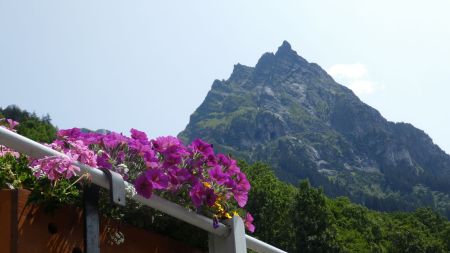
291, 114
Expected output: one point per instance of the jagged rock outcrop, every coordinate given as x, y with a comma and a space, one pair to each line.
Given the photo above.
291, 114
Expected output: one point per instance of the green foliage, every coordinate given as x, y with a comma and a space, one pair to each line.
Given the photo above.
270, 202
14, 172
54, 196
356, 228
31, 126
313, 221
303, 219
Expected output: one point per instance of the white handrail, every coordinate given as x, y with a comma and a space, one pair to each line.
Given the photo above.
34, 149
260, 246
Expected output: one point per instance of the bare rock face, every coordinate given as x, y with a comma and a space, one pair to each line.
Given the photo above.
291, 114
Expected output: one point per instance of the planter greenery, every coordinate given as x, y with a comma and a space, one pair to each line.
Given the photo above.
50, 200
192, 176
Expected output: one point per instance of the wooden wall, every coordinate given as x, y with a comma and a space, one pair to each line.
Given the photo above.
28, 229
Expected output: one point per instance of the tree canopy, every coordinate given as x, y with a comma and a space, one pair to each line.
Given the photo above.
302, 219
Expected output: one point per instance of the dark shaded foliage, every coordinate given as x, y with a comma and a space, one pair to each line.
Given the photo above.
32, 126
303, 219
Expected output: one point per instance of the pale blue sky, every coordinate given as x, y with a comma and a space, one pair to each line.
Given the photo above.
149, 64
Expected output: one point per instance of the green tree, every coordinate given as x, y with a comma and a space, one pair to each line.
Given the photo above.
313, 221
408, 239
271, 204
303, 219
31, 126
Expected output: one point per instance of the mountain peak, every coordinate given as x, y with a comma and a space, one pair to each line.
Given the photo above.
285, 49
290, 113
283, 62
285, 45
241, 72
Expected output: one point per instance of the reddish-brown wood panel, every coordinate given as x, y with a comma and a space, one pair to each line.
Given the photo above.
62, 232
5, 220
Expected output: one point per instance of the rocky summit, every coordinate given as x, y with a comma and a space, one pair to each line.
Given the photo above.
291, 114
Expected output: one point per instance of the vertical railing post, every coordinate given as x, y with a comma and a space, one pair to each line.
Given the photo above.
91, 219
234, 242
91, 208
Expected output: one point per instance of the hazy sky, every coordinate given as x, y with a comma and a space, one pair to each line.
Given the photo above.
149, 64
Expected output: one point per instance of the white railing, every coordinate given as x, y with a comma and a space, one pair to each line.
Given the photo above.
227, 238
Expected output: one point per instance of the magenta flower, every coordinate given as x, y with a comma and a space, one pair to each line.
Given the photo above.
158, 179
178, 176
211, 160
240, 192
231, 184
233, 169
167, 144
171, 159
171, 149
151, 161
143, 186
68, 169
5, 150
139, 136
248, 222
103, 160
82, 153
91, 138
210, 197
170, 167
240, 197
194, 163
12, 124
54, 168
120, 157
196, 194
200, 194
112, 140
72, 133
138, 147
139, 142
202, 147
218, 176
224, 160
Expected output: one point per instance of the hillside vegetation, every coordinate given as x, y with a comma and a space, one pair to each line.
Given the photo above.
32, 126
302, 219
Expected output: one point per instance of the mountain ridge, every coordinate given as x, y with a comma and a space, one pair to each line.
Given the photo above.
292, 114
